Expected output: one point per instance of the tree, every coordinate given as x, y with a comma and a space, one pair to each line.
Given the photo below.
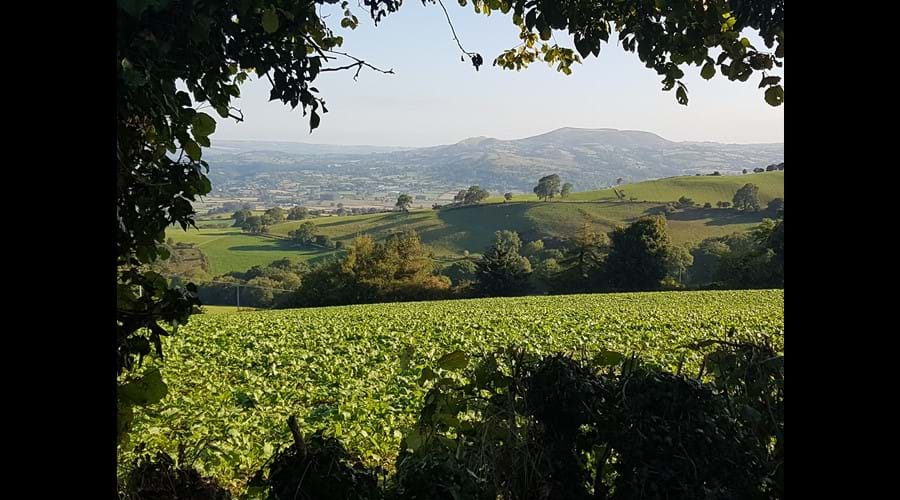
240, 217
475, 195
744, 171
707, 205
501, 270
758, 170
723, 204
640, 255
747, 198
276, 214
304, 233
618, 181
297, 213
460, 196
461, 271
547, 187
566, 190
679, 260
685, 202
533, 248
323, 241
771, 168
775, 207
257, 224
403, 202
507, 196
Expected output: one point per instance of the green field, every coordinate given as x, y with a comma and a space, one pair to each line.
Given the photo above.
229, 249
235, 378
701, 189
451, 232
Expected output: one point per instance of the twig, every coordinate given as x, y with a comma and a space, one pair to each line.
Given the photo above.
470, 54
298, 438
358, 65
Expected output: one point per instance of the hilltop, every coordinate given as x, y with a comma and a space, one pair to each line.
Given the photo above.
590, 158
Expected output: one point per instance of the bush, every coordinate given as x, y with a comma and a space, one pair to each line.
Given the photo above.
159, 478
318, 468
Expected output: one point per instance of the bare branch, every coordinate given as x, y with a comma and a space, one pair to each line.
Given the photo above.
464, 51
358, 65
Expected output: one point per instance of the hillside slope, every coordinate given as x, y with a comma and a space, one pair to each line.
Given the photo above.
451, 232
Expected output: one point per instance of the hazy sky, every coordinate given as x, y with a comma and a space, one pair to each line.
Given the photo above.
434, 98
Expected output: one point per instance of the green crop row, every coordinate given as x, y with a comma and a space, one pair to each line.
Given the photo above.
235, 378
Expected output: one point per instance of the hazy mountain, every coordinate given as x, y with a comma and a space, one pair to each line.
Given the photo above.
589, 158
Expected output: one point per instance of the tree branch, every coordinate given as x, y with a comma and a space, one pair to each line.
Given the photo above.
464, 51
358, 65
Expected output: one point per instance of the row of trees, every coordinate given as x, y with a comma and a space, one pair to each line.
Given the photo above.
307, 234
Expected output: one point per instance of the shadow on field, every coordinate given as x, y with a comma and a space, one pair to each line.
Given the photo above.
718, 216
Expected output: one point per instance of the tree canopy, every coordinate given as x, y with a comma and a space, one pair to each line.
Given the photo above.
547, 187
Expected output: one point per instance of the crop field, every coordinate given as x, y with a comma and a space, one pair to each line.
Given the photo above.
234, 378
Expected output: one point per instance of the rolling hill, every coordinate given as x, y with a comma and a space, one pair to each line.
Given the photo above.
451, 232
589, 158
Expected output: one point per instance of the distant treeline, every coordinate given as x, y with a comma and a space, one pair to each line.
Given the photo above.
638, 257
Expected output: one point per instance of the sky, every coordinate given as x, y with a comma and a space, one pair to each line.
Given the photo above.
434, 98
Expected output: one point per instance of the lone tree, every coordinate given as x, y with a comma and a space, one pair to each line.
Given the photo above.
744, 171
566, 190
547, 187
297, 213
747, 198
177, 57
475, 194
403, 202
501, 270
618, 181
507, 196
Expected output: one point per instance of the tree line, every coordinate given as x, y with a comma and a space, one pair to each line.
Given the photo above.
637, 257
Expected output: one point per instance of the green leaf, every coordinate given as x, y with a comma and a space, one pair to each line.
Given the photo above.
745, 42
427, 374
203, 125
192, 149
453, 361
768, 81
681, 96
405, 357
413, 440
123, 421
608, 358
708, 71
775, 95
149, 389
270, 21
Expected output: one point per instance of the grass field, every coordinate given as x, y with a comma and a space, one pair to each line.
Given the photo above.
235, 378
451, 232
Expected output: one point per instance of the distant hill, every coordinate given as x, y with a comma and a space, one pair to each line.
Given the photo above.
451, 232
589, 158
